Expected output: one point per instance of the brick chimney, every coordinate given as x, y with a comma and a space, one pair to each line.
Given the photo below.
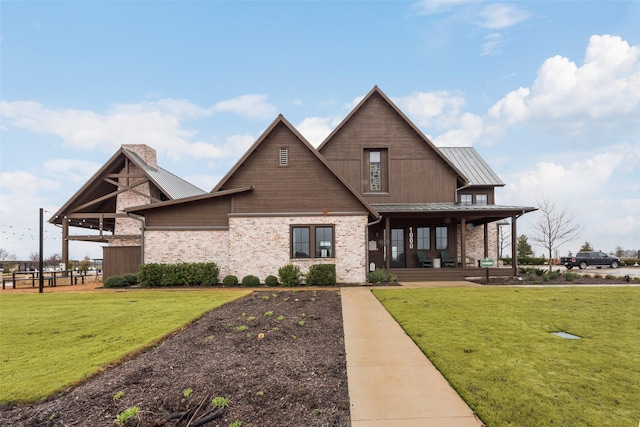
146, 153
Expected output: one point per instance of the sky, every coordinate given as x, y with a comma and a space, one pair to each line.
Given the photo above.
548, 92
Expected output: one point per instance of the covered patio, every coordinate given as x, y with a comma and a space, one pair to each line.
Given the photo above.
458, 233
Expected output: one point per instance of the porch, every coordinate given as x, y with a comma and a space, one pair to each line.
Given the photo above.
446, 274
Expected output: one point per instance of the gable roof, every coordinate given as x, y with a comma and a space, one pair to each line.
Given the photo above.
196, 198
472, 165
97, 188
280, 120
171, 185
376, 91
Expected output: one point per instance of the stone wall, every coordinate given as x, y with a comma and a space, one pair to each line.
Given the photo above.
172, 247
260, 246
475, 242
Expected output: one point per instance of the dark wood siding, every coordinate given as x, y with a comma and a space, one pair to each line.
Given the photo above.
417, 172
212, 212
304, 185
120, 260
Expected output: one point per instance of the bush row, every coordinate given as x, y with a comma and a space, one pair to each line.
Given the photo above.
121, 281
184, 274
526, 261
206, 274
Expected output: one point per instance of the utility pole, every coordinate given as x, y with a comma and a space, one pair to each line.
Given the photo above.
41, 260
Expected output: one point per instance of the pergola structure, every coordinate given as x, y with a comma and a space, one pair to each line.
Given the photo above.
130, 177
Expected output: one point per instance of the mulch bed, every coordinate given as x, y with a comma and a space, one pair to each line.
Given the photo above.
293, 376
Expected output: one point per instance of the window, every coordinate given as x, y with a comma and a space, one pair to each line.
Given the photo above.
441, 238
424, 237
466, 199
375, 170
311, 241
324, 242
284, 156
481, 199
301, 242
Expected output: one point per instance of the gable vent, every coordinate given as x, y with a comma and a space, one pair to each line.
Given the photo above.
284, 156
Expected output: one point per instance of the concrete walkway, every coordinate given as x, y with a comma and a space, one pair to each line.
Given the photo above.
391, 382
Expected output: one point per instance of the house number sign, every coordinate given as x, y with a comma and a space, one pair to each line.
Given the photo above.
410, 237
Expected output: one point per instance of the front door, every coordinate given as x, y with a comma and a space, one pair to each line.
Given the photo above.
397, 248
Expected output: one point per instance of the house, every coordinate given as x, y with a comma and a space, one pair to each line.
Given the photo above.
376, 194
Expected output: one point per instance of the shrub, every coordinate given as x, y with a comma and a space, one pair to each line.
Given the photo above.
150, 275
230, 280
271, 280
377, 277
290, 275
119, 281
132, 279
321, 275
250, 281
570, 276
185, 274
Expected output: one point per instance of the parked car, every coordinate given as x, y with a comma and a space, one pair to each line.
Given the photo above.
584, 259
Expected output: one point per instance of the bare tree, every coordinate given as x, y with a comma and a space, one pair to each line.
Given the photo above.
504, 239
5, 255
554, 227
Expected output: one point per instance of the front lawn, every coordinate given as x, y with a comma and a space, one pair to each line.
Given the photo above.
495, 347
50, 341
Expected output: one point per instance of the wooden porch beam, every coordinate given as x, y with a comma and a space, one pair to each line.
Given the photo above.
463, 245
514, 258
132, 188
387, 227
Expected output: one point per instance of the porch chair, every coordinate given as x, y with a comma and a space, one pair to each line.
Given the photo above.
423, 261
447, 261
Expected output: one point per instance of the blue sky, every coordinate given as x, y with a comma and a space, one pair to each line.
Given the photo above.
547, 92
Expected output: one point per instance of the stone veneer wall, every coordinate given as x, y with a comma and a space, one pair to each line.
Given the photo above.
260, 246
475, 242
172, 247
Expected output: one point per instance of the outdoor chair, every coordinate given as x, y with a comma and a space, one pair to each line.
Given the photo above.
423, 261
447, 261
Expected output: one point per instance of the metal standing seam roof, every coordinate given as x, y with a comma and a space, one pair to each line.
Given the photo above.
469, 162
445, 207
172, 185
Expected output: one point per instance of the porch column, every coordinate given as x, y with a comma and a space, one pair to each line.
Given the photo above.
514, 258
65, 243
486, 240
463, 244
387, 243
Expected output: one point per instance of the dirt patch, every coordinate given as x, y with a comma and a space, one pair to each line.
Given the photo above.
292, 375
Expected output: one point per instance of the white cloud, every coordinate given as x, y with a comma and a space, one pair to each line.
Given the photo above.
431, 7
71, 170
605, 88
438, 109
25, 183
499, 16
316, 129
157, 124
252, 106
492, 44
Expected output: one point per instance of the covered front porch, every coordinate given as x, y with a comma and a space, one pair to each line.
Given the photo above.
440, 241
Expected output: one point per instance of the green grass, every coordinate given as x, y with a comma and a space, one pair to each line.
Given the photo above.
495, 348
51, 341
